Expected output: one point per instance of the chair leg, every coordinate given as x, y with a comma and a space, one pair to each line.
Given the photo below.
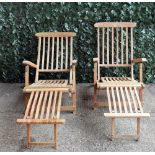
74, 102
138, 128
94, 98
113, 129
28, 135
55, 136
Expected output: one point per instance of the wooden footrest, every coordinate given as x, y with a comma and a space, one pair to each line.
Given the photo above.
124, 102
43, 108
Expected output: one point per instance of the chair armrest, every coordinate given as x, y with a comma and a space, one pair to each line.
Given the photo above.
29, 63
95, 60
139, 60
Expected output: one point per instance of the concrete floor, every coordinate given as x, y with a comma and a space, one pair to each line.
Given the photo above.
85, 131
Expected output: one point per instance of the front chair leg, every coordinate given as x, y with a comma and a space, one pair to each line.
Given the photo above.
28, 135
113, 129
94, 98
55, 136
138, 128
74, 102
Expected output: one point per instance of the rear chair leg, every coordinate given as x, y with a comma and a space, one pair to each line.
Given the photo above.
55, 136
138, 128
74, 102
141, 95
113, 129
28, 135
94, 98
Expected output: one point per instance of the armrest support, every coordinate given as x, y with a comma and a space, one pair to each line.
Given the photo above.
74, 62
29, 63
139, 60
95, 60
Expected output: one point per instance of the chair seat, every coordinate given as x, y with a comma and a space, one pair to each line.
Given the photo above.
117, 81
48, 84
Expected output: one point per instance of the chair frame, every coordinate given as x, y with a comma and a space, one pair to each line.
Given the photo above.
126, 85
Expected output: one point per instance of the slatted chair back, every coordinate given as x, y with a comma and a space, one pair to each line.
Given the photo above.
115, 44
55, 52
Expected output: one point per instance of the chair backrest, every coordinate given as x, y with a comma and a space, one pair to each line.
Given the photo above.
55, 52
115, 44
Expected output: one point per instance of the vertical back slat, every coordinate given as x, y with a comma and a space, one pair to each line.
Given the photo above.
103, 45
117, 37
107, 45
61, 52
127, 45
43, 55
112, 45
122, 46
131, 52
52, 62
57, 55
48, 51
66, 52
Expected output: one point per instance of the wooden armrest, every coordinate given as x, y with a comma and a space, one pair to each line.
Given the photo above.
139, 60
95, 60
29, 63
74, 62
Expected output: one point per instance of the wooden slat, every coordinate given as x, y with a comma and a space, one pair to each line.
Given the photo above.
124, 102
112, 45
55, 34
52, 62
61, 52
29, 105
107, 45
122, 46
98, 51
114, 100
44, 105
109, 100
66, 52
138, 100
133, 99
49, 105
43, 54
117, 37
54, 104
34, 104
40, 121
59, 104
103, 46
48, 51
57, 55
126, 115
127, 46
115, 24
39, 104
118, 98
128, 98
132, 53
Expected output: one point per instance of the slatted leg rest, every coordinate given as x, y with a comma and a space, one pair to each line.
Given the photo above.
124, 102
43, 108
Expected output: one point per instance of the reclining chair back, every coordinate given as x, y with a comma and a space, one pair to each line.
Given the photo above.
115, 44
